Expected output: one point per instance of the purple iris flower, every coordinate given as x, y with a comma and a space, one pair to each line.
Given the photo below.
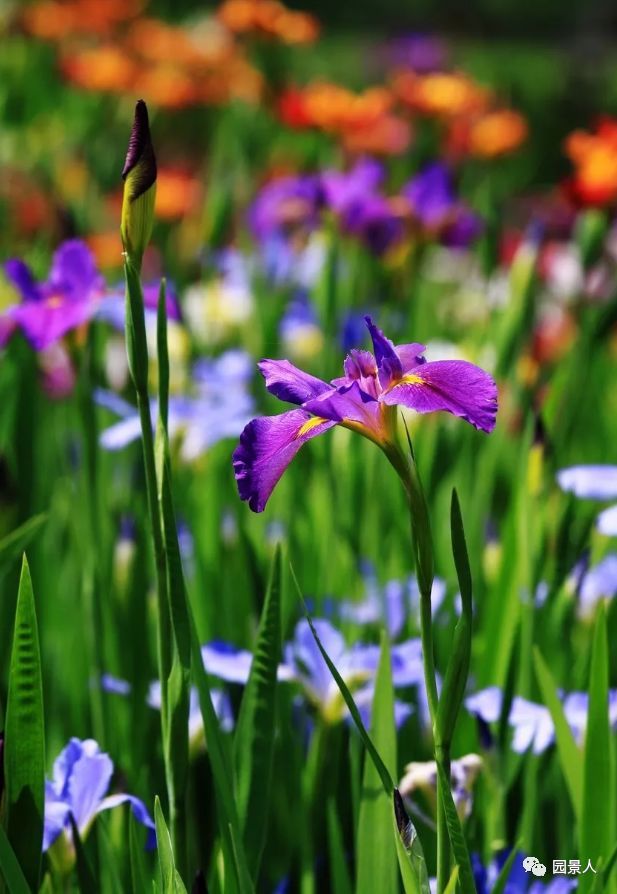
532, 723
436, 207
81, 777
346, 191
363, 400
422, 53
286, 204
593, 483
377, 222
66, 300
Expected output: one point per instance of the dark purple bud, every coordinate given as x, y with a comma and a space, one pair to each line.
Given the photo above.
140, 160
403, 822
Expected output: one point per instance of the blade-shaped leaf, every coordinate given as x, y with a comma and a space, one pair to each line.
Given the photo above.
139, 874
13, 545
254, 738
502, 878
10, 868
598, 797
24, 745
457, 837
171, 881
85, 877
341, 880
376, 850
567, 749
460, 656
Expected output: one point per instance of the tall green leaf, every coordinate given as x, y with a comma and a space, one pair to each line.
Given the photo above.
88, 884
24, 747
597, 814
13, 545
567, 749
460, 656
339, 871
139, 875
376, 849
457, 836
171, 881
254, 737
10, 868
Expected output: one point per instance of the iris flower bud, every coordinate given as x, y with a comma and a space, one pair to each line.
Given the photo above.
139, 175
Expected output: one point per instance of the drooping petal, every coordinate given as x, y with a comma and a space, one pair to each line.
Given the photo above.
267, 446
56, 817
20, 277
304, 656
457, 386
606, 522
89, 782
596, 482
289, 383
226, 662
388, 363
140, 812
45, 322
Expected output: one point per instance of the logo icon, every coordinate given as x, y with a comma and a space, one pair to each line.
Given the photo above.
533, 865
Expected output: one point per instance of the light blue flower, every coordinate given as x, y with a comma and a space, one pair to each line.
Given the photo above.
599, 582
594, 483
220, 408
81, 778
532, 723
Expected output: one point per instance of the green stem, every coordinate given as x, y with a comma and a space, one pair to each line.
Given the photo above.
423, 543
137, 350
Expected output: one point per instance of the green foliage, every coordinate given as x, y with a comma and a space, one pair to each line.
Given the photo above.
24, 738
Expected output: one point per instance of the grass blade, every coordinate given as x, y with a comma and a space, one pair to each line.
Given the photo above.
10, 868
13, 545
254, 738
597, 816
85, 877
375, 849
339, 871
567, 749
457, 837
24, 745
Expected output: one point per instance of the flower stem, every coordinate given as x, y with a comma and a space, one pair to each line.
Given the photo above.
407, 471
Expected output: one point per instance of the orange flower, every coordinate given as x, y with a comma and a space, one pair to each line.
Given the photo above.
389, 135
177, 193
497, 133
490, 135
166, 86
156, 41
594, 156
106, 248
440, 94
53, 20
268, 18
102, 68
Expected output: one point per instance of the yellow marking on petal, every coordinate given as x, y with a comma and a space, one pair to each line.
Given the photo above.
309, 425
409, 379
54, 301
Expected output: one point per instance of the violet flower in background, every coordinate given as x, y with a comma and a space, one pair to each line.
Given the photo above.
67, 299
286, 204
344, 192
422, 53
81, 778
598, 582
361, 400
437, 209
